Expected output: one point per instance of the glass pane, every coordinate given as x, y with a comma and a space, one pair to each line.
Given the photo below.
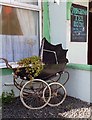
19, 34
34, 2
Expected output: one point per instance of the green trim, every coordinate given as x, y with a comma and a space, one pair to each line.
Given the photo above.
5, 71
0, 72
80, 66
46, 20
68, 14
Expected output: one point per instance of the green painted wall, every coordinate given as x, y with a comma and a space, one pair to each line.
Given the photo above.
6, 71
46, 21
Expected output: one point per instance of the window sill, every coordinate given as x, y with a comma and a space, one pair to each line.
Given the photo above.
13, 64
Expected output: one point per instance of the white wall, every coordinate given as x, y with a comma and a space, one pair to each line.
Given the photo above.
58, 23
6, 80
79, 84
60, 32
77, 51
0, 85
91, 87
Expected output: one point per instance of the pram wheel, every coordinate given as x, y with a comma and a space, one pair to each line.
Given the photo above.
34, 99
58, 94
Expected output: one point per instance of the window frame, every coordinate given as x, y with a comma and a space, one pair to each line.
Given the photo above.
25, 6
13, 2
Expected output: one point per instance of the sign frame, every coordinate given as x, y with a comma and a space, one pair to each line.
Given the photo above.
78, 23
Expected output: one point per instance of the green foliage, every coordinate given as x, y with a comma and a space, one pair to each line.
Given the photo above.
7, 97
32, 65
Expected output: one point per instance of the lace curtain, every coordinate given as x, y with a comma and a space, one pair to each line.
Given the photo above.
16, 47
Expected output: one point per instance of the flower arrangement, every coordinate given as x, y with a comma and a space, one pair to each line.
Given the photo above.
29, 67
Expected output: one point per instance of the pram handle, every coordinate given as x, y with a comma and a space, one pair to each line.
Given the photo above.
7, 64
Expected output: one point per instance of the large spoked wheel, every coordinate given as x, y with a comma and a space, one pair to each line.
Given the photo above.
35, 97
58, 94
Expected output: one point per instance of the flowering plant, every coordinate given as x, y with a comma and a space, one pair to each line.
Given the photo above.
30, 67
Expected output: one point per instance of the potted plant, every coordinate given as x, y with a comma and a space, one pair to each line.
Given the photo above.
29, 68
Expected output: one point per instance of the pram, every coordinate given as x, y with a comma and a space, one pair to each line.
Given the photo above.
47, 88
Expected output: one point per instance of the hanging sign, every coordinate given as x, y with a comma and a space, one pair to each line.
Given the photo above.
78, 23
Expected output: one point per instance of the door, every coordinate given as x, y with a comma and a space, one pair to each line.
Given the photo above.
90, 39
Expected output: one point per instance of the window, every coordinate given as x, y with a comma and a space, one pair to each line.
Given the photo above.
20, 33
23, 3
34, 2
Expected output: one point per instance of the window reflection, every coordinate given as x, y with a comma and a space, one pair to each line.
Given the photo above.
10, 22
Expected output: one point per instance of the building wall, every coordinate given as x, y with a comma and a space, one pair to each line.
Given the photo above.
57, 15
79, 82
60, 32
77, 50
0, 85
79, 85
8, 85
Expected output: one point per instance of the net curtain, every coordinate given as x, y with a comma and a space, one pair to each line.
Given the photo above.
16, 47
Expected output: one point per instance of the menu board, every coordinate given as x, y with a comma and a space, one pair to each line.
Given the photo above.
78, 23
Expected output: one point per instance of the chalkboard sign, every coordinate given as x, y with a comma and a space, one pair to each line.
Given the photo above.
78, 23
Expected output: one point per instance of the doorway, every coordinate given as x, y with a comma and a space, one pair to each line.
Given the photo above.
90, 36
